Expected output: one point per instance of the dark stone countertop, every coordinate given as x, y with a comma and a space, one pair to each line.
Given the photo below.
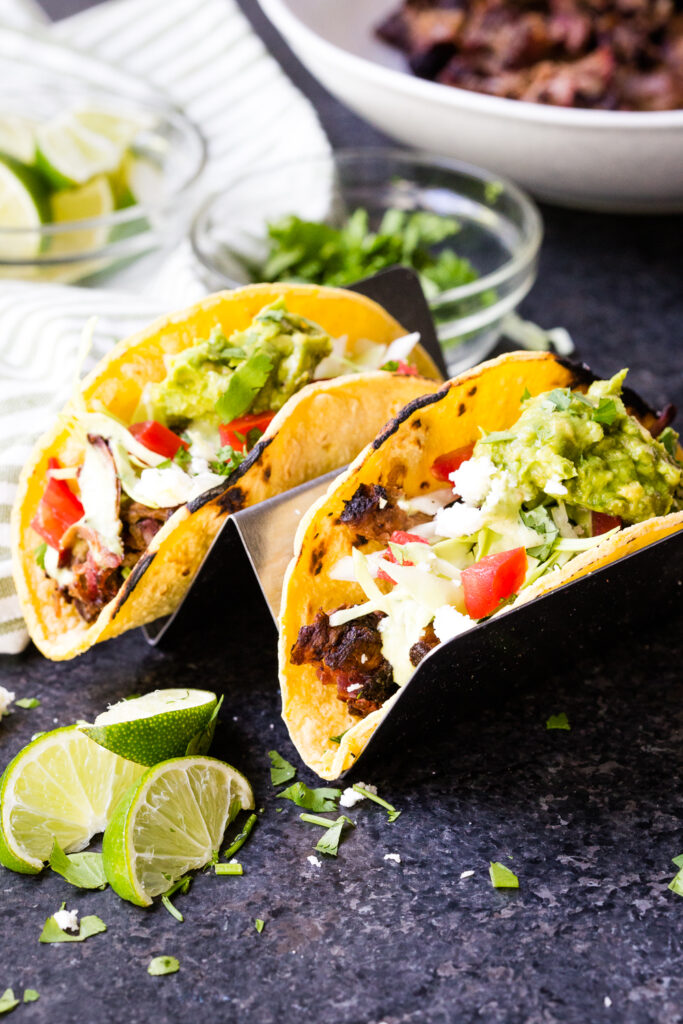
590, 817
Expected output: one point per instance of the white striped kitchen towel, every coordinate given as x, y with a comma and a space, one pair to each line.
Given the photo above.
206, 57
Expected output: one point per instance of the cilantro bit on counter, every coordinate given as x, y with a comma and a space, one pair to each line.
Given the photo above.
676, 883
678, 861
502, 877
558, 722
323, 799
182, 885
84, 870
7, 1001
393, 813
163, 965
228, 869
280, 770
259, 925
39, 555
30, 995
27, 702
329, 840
241, 839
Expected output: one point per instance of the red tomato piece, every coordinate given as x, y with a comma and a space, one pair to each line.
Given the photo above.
601, 523
407, 369
242, 425
491, 580
157, 438
58, 509
448, 463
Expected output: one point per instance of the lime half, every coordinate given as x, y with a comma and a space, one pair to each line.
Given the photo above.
85, 203
24, 205
62, 786
155, 727
70, 154
170, 822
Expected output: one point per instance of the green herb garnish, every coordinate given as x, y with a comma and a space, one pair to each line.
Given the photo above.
280, 770
323, 799
676, 883
228, 869
27, 702
88, 926
561, 398
329, 840
393, 813
558, 722
497, 435
31, 995
163, 965
525, 394
39, 555
83, 870
241, 839
606, 411
7, 1001
227, 461
678, 861
502, 877
259, 925
182, 885
337, 739
668, 438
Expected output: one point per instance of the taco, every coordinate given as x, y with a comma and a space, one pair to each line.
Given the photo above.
514, 478
240, 397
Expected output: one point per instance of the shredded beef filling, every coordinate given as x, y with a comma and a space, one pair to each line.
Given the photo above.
140, 525
424, 645
350, 657
373, 512
608, 54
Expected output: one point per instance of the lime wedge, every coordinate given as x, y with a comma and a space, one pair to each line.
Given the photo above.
70, 154
62, 786
155, 727
17, 138
170, 822
114, 127
73, 204
24, 204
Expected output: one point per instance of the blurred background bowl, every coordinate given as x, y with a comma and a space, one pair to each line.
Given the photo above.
500, 229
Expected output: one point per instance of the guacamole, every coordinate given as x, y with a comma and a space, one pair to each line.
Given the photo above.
253, 370
587, 451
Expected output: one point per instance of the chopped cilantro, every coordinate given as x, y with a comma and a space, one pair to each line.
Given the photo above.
27, 702
7, 1001
89, 925
676, 883
244, 385
228, 869
329, 840
558, 722
502, 877
668, 438
315, 819
259, 925
678, 861
323, 799
561, 398
83, 870
393, 813
540, 520
241, 839
525, 394
497, 435
606, 411
391, 366
182, 885
280, 770
163, 965
125, 572
338, 739
227, 461
182, 457
39, 555
31, 995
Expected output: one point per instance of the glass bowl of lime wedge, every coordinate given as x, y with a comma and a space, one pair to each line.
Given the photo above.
90, 182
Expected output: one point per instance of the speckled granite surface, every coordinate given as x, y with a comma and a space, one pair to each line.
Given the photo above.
591, 817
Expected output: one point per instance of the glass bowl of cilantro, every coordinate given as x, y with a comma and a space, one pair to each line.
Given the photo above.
333, 219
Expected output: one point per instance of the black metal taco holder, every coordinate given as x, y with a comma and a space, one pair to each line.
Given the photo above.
522, 644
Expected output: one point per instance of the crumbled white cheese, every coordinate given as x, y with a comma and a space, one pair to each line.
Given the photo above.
356, 686
363, 658
472, 480
350, 797
314, 861
6, 698
466, 874
393, 856
458, 521
554, 486
429, 504
67, 920
607, 1002
382, 502
449, 622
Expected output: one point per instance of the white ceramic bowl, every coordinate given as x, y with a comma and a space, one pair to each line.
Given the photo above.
592, 159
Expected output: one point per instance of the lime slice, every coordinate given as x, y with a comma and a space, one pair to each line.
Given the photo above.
62, 786
90, 201
24, 204
70, 154
155, 727
170, 822
17, 138
114, 127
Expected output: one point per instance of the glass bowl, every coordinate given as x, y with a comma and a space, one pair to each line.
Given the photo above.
169, 154
500, 229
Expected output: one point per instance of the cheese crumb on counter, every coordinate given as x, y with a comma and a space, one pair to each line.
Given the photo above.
67, 920
396, 857
350, 797
6, 698
466, 874
314, 861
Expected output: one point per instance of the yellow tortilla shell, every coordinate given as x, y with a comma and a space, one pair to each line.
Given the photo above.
319, 429
486, 396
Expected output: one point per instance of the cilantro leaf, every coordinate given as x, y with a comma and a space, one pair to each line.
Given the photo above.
497, 435
39, 555
540, 520
182, 885
228, 869
558, 722
280, 770
678, 861
182, 457
561, 398
676, 883
606, 411
244, 385
7, 1001
241, 839
163, 965
323, 799
329, 840
89, 925
338, 739
227, 462
27, 702
502, 877
259, 925
393, 813
31, 995
83, 870
391, 366
668, 438
525, 394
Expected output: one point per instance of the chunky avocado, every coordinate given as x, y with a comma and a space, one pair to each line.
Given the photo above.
275, 356
588, 451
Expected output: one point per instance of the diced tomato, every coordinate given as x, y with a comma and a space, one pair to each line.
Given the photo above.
157, 438
448, 463
601, 523
407, 369
491, 580
399, 537
242, 425
58, 509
